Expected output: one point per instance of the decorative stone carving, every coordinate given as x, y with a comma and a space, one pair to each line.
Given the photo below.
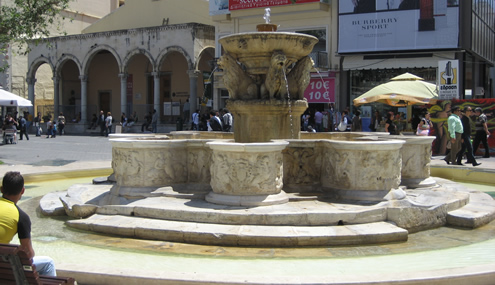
157, 163
275, 83
302, 164
127, 166
361, 170
299, 78
198, 161
241, 85
266, 60
254, 170
416, 159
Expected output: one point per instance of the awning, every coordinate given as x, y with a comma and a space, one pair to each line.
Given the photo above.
360, 62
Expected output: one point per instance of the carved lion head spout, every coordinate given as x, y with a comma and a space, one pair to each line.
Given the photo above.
238, 82
275, 82
278, 59
299, 77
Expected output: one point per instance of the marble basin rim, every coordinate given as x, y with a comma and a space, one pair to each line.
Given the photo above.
254, 49
371, 145
248, 147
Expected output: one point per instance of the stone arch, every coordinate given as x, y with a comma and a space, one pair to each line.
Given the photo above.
207, 50
95, 49
134, 52
163, 55
35, 64
64, 58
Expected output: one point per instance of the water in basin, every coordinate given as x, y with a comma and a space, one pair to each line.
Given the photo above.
437, 249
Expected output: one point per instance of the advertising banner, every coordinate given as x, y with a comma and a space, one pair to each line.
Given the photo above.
248, 4
385, 25
448, 79
320, 90
219, 7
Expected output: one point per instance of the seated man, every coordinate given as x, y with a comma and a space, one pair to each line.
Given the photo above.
13, 220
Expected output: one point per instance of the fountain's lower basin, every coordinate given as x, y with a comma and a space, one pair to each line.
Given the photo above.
440, 256
341, 188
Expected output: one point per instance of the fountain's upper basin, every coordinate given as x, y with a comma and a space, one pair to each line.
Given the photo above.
255, 49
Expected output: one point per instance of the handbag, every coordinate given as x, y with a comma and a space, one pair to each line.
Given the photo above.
342, 126
422, 132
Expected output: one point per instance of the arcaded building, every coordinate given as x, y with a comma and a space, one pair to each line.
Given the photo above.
144, 56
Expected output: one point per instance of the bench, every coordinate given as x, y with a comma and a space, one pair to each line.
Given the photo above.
17, 269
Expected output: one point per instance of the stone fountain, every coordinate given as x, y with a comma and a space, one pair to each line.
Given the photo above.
268, 184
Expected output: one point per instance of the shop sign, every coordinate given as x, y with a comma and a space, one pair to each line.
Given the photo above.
448, 79
248, 4
320, 90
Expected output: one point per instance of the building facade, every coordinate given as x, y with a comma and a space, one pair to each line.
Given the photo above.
448, 43
79, 15
154, 63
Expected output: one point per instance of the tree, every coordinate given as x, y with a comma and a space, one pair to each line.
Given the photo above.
23, 21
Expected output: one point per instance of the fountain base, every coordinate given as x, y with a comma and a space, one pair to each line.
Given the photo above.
306, 220
266, 119
247, 201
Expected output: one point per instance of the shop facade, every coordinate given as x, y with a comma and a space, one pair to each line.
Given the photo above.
448, 43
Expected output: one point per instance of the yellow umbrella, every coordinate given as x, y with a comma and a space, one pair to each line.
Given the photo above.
400, 91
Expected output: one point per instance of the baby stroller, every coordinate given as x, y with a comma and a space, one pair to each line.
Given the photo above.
9, 136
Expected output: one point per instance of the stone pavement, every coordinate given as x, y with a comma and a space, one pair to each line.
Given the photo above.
63, 153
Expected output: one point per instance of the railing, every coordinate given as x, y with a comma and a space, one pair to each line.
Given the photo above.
320, 58
72, 113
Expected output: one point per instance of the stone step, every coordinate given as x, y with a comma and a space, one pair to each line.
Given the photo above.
478, 212
242, 235
301, 213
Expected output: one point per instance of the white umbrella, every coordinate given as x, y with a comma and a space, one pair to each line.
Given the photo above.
10, 99
402, 90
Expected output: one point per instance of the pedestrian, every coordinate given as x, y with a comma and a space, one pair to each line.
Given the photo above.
29, 121
424, 125
54, 131
390, 127
357, 125
455, 134
187, 111
131, 120
482, 132
23, 127
375, 121
466, 139
49, 128
14, 221
108, 124
61, 123
215, 124
123, 122
37, 124
94, 122
101, 122
147, 122
227, 120
195, 120
154, 121
305, 120
319, 121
